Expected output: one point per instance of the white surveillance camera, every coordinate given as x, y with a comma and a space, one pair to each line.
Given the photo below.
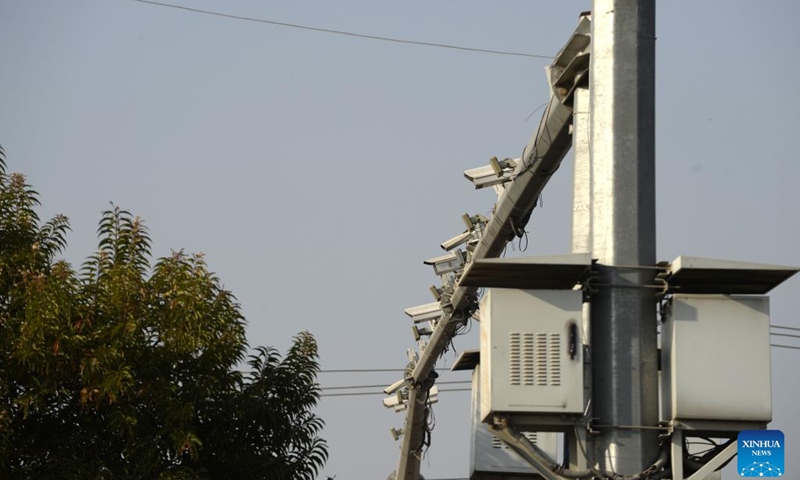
424, 313
448, 263
394, 387
456, 241
433, 395
496, 173
393, 401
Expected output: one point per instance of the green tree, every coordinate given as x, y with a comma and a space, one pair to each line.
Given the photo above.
125, 370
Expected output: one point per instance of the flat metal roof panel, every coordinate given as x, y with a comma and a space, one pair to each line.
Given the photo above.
467, 360
709, 275
553, 272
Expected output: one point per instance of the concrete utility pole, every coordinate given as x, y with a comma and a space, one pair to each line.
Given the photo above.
623, 232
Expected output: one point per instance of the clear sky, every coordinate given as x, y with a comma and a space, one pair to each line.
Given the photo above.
317, 171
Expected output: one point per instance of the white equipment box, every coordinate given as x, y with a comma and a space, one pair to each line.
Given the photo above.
716, 359
531, 353
490, 458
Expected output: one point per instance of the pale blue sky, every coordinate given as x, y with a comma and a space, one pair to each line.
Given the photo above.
317, 171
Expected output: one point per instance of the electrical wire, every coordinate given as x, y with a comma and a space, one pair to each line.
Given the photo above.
784, 346
381, 393
363, 370
785, 328
342, 32
784, 335
353, 387
537, 109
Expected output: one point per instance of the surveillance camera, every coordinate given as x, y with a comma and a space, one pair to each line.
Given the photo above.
456, 241
448, 263
483, 177
394, 387
394, 400
496, 173
433, 395
424, 313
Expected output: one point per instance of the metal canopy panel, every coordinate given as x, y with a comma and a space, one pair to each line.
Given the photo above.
708, 275
467, 360
554, 272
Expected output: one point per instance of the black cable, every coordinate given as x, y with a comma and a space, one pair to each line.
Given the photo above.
342, 32
783, 346
362, 370
785, 328
784, 335
537, 109
525, 234
354, 387
381, 393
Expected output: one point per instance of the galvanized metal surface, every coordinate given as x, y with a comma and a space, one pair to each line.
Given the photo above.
707, 275
551, 272
707, 471
467, 360
581, 242
624, 355
693, 375
531, 356
532, 454
582, 175
492, 460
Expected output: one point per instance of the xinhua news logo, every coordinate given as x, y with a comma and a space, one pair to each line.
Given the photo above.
760, 453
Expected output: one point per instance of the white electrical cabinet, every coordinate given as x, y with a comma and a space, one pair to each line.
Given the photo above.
490, 458
716, 359
531, 354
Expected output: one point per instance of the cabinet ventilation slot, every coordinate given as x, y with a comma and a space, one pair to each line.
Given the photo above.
534, 359
497, 443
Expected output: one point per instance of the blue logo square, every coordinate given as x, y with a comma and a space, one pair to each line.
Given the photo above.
760, 453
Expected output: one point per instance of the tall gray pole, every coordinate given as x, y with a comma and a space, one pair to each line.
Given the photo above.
582, 186
624, 351
582, 174
581, 236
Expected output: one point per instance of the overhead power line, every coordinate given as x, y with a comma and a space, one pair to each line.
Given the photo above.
377, 370
342, 32
362, 370
353, 387
784, 346
785, 328
784, 335
381, 393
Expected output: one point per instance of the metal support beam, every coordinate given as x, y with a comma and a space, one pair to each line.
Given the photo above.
624, 351
540, 160
526, 450
676, 454
409, 462
712, 465
576, 439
